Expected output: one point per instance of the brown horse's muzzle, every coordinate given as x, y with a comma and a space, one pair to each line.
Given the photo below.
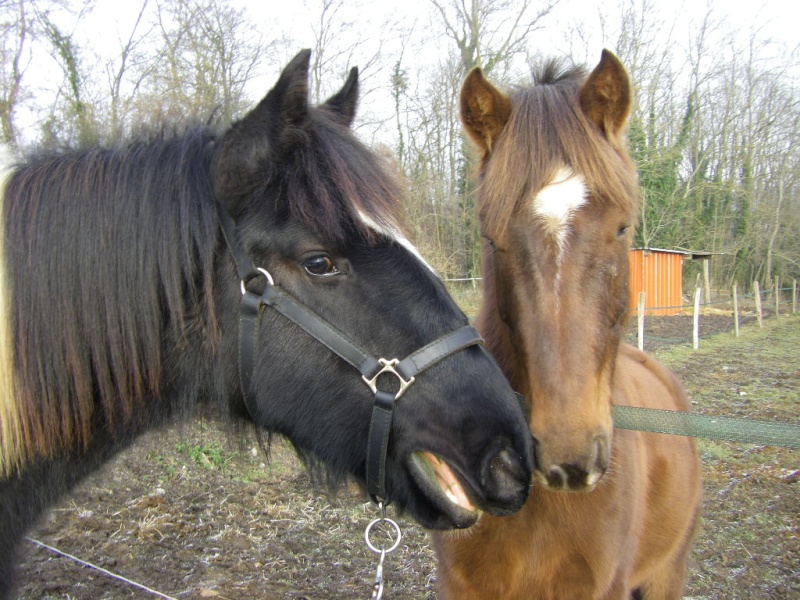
560, 467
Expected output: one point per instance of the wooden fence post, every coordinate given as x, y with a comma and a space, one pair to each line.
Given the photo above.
757, 289
794, 296
641, 321
696, 334
735, 310
777, 296
707, 279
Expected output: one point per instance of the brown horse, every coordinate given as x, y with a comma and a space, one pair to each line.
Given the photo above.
612, 513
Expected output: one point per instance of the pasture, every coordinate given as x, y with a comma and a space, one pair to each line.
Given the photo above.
192, 515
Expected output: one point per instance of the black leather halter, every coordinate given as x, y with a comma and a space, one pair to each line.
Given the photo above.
371, 369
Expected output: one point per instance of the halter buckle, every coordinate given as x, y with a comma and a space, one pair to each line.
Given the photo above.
388, 367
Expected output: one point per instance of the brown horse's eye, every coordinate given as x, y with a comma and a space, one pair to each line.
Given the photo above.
320, 265
622, 230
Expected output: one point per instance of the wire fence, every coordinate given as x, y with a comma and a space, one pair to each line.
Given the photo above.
728, 313
654, 327
685, 324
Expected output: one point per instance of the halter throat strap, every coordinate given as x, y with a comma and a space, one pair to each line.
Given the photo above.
372, 369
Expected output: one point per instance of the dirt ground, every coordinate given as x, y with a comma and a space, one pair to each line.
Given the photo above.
190, 514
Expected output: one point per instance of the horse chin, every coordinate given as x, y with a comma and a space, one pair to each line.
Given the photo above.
444, 491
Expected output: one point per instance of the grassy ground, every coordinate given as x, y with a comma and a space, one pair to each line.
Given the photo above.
749, 541
192, 515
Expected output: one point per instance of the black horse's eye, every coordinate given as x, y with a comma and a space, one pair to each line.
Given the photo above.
320, 265
623, 229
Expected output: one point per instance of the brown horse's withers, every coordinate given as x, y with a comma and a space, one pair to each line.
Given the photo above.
612, 513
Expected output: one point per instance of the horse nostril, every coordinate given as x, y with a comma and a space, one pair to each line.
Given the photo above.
509, 466
556, 478
566, 477
504, 478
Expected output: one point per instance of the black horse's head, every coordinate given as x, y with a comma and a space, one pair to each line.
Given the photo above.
317, 210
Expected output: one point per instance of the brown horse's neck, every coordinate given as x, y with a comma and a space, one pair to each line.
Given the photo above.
490, 324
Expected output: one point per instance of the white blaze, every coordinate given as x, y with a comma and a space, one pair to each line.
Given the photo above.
398, 237
558, 201
555, 205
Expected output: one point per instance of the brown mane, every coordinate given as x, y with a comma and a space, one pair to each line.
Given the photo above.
547, 130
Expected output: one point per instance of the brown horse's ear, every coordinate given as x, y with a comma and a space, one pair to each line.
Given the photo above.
343, 104
606, 95
484, 110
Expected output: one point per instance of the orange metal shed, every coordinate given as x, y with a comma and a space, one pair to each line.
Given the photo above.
659, 274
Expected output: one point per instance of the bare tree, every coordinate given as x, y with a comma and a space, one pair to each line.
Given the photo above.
209, 52
351, 34
490, 33
132, 63
485, 33
14, 41
77, 120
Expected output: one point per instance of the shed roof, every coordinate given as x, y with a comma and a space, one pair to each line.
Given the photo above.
689, 254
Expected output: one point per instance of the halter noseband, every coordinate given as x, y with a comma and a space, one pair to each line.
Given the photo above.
370, 368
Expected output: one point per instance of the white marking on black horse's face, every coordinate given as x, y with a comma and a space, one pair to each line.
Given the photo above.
398, 237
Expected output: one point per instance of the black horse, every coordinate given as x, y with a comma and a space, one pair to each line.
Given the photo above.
127, 271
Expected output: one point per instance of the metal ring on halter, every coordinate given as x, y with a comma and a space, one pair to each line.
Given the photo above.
265, 273
374, 548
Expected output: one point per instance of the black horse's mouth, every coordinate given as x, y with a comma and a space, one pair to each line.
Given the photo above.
444, 490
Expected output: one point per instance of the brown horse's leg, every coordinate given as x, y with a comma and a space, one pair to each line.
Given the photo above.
668, 582
620, 590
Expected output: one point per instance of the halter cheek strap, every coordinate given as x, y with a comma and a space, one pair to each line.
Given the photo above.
371, 369
406, 371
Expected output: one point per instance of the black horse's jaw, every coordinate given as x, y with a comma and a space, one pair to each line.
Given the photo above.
444, 490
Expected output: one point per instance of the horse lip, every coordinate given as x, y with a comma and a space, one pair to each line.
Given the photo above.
444, 489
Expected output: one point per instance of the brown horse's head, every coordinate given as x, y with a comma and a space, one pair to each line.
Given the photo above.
557, 203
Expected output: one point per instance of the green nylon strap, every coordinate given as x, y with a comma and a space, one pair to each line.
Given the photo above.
731, 429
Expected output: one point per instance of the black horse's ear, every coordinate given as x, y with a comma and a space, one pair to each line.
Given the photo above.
606, 97
286, 104
343, 104
251, 149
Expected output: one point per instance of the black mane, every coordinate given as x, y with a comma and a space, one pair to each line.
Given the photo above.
111, 243
328, 181
125, 239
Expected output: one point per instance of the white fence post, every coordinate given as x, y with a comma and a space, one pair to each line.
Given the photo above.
696, 333
640, 318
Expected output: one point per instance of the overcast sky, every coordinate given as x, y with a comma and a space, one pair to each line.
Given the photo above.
777, 19
112, 20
